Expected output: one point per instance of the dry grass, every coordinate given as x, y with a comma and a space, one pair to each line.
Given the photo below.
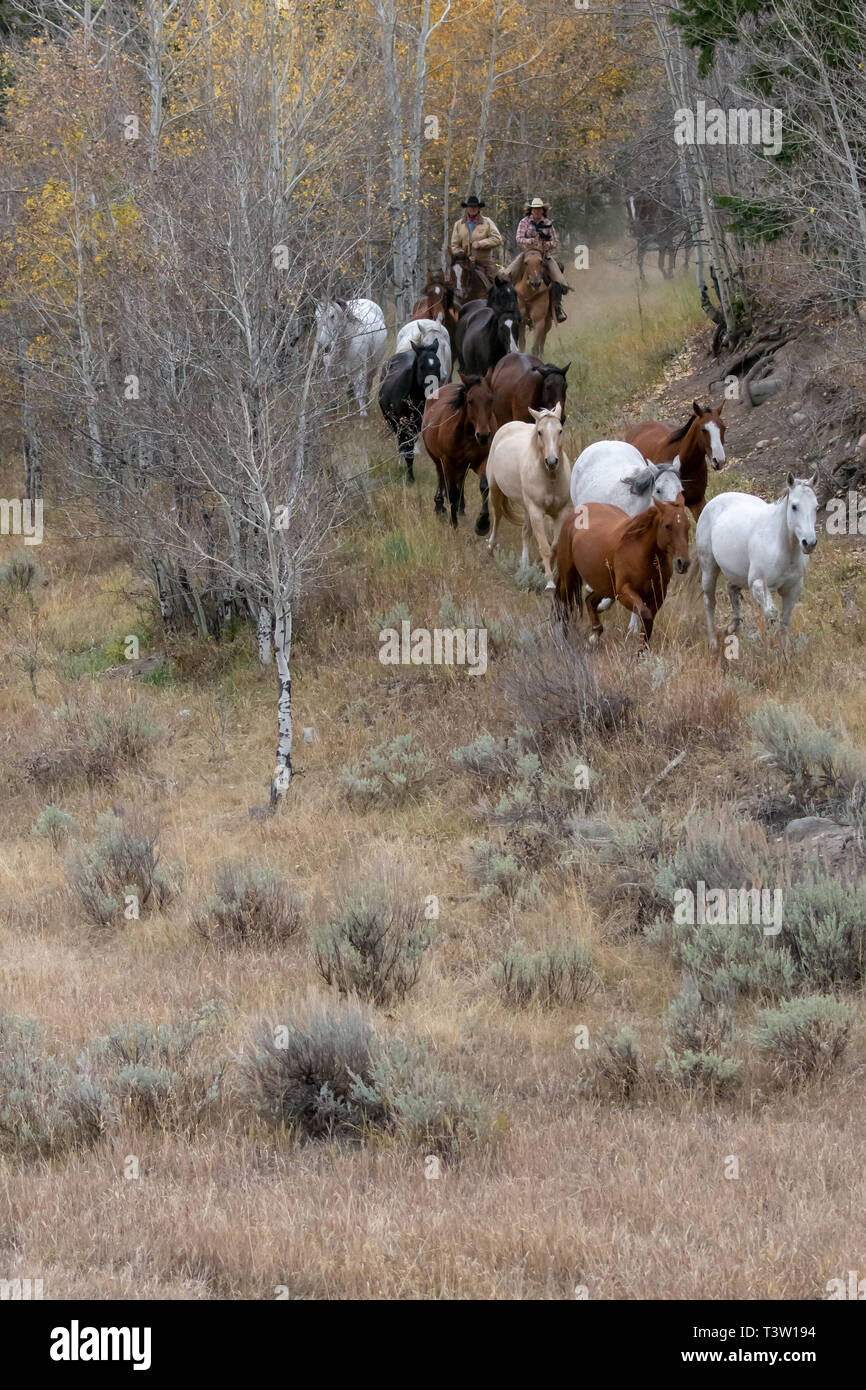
566, 1190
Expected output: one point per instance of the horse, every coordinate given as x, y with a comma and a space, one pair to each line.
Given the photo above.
627, 558
457, 429
658, 222
351, 337
468, 278
427, 331
522, 383
618, 474
437, 303
407, 380
757, 545
486, 328
702, 437
528, 476
533, 300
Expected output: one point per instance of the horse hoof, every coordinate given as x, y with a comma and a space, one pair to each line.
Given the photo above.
482, 525
550, 584
594, 639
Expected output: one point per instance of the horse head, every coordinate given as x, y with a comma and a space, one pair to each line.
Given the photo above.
478, 406
502, 295
533, 271
672, 533
802, 506
548, 435
711, 431
330, 318
506, 322
427, 368
553, 386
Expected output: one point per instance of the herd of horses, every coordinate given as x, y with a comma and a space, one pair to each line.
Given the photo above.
615, 526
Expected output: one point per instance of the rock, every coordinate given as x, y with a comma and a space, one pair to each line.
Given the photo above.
798, 418
761, 391
805, 826
762, 443
593, 830
260, 812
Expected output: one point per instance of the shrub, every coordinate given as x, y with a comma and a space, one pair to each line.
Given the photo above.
693, 1025
392, 773
617, 1063
21, 573
707, 1072
489, 757
819, 767
551, 685
90, 740
530, 579
804, 1037
55, 825
334, 1078
159, 1074
123, 861
249, 905
825, 927
375, 947
452, 616
493, 872
392, 618
559, 975
45, 1105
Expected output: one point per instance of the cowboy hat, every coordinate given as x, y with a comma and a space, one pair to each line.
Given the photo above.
536, 203
472, 202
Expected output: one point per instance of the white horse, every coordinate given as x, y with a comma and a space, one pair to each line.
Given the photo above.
529, 475
426, 332
351, 337
757, 545
617, 473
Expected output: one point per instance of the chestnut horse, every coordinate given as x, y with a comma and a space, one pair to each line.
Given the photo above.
533, 298
629, 558
522, 383
457, 429
437, 303
700, 439
468, 279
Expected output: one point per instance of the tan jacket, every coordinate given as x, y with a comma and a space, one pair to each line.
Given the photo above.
485, 237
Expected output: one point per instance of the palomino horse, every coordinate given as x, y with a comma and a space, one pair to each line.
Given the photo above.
701, 438
628, 558
533, 299
408, 378
457, 429
470, 280
437, 303
522, 383
351, 336
760, 545
528, 476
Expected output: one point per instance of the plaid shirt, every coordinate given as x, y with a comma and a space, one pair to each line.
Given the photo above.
528, 238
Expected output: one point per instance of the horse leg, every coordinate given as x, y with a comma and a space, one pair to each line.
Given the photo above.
454, 492
407, 440
789, 597
536, 520
495, 499
629, 598
734, 592
709, 579
597, 632
764, 599
440, 490
482, 521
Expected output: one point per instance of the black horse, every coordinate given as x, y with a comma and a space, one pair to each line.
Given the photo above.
487, 329
408, 378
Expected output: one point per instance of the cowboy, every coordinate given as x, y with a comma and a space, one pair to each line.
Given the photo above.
477, 236
536, 232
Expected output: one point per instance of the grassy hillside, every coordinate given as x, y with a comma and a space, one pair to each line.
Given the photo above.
558, 1166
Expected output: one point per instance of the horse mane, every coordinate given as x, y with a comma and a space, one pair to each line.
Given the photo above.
682, 432
547, 368
640, 482
640, 525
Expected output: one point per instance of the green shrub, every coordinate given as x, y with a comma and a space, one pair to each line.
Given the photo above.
824, 924
530, 579
695, 1025
249, 905
375, 946
617, 1063
820, 768
392, 773
804, 1037
90, 740
46, 1106
706, 1072
559, 975
452, 616
55, 825
493, 872
21, 574
123, 861
489, 757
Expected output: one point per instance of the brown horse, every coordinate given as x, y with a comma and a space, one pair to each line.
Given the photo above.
522, 383
437, 303
533, 298
629, 558
700, 439
468, 279
457, 429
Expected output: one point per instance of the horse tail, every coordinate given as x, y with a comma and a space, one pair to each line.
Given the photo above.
516, 518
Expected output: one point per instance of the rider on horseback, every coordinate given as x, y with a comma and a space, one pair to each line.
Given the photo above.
536, 232
477, 236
